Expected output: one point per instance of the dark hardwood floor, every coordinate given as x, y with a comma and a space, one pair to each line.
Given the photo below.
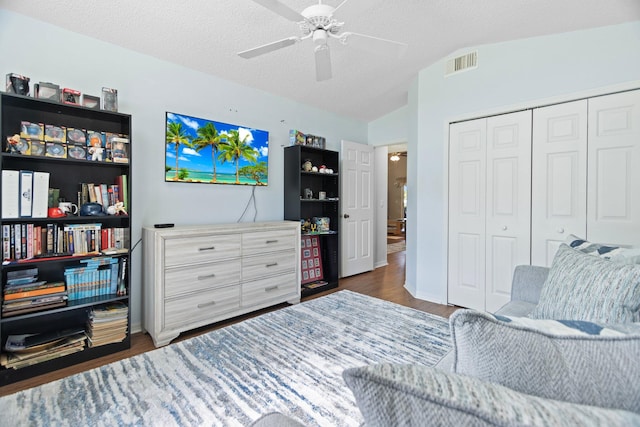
385, 283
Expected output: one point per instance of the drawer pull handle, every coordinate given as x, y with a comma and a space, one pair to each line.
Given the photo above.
271, 288
206, 304
210, 248
273, 264
208, 276
272, 241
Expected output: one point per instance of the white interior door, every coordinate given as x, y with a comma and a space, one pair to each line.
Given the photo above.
559, 176
613, 206
357, 204
508, 212
467, 163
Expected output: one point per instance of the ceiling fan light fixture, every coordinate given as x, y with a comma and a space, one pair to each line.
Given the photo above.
395, 157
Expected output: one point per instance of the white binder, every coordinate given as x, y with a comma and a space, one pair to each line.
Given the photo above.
26, 193
10, 194
40, 194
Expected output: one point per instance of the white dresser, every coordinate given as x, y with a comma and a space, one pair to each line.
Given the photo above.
197, 275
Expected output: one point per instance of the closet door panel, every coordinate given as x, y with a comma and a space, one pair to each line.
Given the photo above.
613, 208
466, 268
508, 216
559, 178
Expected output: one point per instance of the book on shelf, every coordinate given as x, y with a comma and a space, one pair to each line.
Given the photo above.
28, 292
105, 194
27, 241
96, 277
30, 305
315, 285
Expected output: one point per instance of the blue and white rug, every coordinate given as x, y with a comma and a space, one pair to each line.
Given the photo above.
290, 360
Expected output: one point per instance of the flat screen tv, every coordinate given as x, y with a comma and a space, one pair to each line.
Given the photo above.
205, 151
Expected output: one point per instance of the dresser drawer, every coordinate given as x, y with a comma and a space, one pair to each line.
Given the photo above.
194, 250
270, 264
258, 242
200, 306
272, 288
183, 280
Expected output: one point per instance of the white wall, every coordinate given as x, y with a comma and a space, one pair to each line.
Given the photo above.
147, 88
510, 76
390, 129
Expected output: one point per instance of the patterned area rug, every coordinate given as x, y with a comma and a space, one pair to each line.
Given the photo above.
396, 247
289, 360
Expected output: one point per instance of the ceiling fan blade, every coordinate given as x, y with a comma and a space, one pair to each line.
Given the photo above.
270, 47
340, 5
323, 63
374, 44
285, 11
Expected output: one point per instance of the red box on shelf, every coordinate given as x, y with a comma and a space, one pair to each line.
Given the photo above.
311, 259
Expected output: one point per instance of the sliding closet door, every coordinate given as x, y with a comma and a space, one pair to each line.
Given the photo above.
508, 207
559, 177
613, 207
467, 160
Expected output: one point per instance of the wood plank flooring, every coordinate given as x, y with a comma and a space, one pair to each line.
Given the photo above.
385, 283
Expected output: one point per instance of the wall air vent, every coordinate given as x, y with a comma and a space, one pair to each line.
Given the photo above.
462, 63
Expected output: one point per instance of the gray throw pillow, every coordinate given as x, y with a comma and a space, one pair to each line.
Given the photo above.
411, 395
611, 253
584, 287
575, 361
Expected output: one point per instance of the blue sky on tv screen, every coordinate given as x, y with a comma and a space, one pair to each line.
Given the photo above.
201, 160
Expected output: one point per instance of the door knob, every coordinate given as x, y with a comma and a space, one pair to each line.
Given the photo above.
504, 228
561, 230
346, 215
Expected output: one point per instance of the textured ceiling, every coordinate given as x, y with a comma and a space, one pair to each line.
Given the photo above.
206, 35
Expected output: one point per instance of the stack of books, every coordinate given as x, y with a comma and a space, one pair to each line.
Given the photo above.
30, 349
107, 324
24, 293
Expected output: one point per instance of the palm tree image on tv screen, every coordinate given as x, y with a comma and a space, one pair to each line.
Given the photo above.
205, 151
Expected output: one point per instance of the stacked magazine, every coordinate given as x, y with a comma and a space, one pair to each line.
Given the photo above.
30, 349
107, 324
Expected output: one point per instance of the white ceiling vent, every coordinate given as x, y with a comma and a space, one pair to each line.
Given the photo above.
462, 63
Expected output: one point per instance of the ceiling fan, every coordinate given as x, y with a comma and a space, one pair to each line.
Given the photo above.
316, 22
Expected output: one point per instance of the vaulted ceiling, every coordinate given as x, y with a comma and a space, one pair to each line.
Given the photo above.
206, 35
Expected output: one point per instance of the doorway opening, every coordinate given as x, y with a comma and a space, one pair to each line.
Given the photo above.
396, 198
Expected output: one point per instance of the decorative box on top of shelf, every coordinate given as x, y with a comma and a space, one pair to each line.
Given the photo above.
58, 264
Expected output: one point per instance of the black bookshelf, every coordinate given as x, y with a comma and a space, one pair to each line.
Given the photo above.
299, 207
65, 174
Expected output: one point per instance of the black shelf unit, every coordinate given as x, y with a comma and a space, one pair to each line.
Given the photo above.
65, 174
297, 207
